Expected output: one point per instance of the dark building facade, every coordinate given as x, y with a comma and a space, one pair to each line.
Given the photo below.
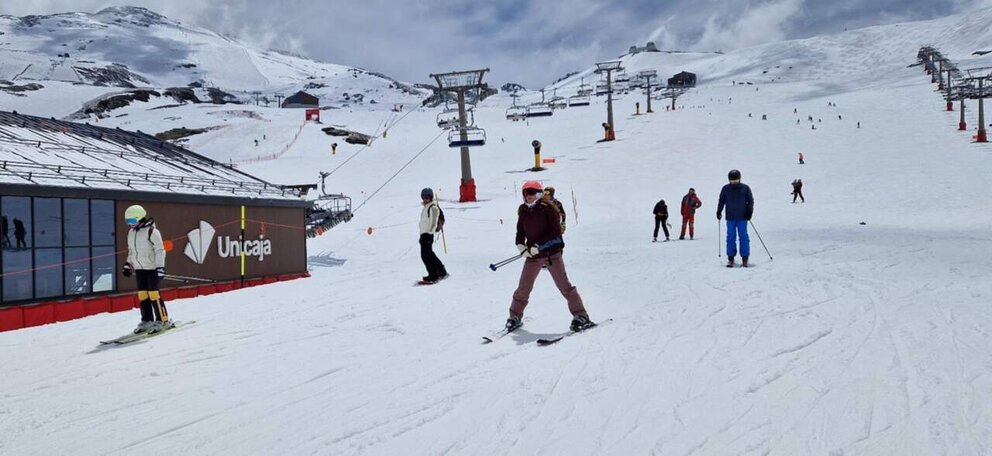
63, 237
683, 79
301, 100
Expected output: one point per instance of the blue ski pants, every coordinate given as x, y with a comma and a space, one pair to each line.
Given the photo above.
738, 228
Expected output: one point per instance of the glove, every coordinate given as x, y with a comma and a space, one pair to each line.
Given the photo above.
160, 272
562, 227
719, 216
127, 270
528, 251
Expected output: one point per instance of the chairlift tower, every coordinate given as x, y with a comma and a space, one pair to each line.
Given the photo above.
981, 76
460, 82
646, 75
609, 68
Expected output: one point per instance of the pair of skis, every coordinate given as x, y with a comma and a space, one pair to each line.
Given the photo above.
131, 338
541, 342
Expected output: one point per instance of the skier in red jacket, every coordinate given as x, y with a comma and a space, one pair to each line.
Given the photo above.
690, 202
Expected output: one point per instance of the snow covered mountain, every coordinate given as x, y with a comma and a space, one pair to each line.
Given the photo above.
851, 58
129, 47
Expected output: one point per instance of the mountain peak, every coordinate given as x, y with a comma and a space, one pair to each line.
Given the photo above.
134, 14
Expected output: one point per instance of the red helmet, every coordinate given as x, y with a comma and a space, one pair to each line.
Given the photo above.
536, 185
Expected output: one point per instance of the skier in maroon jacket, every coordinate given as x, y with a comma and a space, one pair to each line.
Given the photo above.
690, 202
539, 240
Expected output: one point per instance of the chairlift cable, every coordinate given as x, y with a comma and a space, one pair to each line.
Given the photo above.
418, 154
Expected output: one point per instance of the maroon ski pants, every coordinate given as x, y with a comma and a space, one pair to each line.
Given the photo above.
532, 267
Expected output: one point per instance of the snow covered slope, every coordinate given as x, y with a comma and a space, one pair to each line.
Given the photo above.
99, 49
857, 339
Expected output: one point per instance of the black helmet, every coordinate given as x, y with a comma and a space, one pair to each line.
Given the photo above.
535, 143
734, 175
427, 193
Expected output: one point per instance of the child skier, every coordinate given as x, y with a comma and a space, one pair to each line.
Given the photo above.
740, 206
550, 193
539, 240
146, 260
661, 218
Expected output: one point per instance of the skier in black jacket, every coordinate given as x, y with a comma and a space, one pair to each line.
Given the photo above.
739, 201
661, 218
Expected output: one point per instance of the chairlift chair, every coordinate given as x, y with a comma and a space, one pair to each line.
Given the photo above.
602, 88
539, 110
558, 103
516, 112
474, 137
578, 100
327, 211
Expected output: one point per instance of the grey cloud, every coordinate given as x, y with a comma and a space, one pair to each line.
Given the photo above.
527, 41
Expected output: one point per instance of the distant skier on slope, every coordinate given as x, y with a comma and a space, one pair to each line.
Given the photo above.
430, 223
802, 159
690, 202
797, 190
146, 260
739, 201
661, 218
539, 224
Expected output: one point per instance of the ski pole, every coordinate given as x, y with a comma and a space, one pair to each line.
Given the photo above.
762, 241
444, 242
505, 262
719, 237
185, 279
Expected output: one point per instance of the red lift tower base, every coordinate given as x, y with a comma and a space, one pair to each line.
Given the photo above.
466, 191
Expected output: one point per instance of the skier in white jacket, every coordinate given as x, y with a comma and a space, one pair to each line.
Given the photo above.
146, 260
430, 222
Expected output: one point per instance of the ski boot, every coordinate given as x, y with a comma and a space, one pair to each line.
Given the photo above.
513, 323
743, 262
581, 322
730, 261
143, 327
159, 326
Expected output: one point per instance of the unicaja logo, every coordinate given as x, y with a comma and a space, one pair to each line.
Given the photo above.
199, 242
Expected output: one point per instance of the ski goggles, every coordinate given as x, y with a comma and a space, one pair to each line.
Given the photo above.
532, 191
131, 221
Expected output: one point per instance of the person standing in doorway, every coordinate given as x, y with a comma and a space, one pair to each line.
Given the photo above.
19, 233
146, 261
737, 198
690, 202
5, 230
431, 221
660, 219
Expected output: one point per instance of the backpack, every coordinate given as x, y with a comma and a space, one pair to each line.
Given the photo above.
440, 218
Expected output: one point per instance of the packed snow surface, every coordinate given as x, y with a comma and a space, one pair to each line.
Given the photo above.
867, 334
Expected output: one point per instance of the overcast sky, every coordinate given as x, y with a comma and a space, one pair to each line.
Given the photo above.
530, 42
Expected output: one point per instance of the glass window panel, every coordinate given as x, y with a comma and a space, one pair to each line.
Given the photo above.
77, 222
48, 223
104, 269
48, 273
77, 270
17, 283
16, 222
102, 222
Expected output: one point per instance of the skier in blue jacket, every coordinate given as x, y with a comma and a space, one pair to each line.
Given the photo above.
740, 206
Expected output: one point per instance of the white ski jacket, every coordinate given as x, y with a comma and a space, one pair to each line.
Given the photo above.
428, 218
145, 249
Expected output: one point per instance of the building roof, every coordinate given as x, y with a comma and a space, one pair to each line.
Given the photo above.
40, 152
301, 98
